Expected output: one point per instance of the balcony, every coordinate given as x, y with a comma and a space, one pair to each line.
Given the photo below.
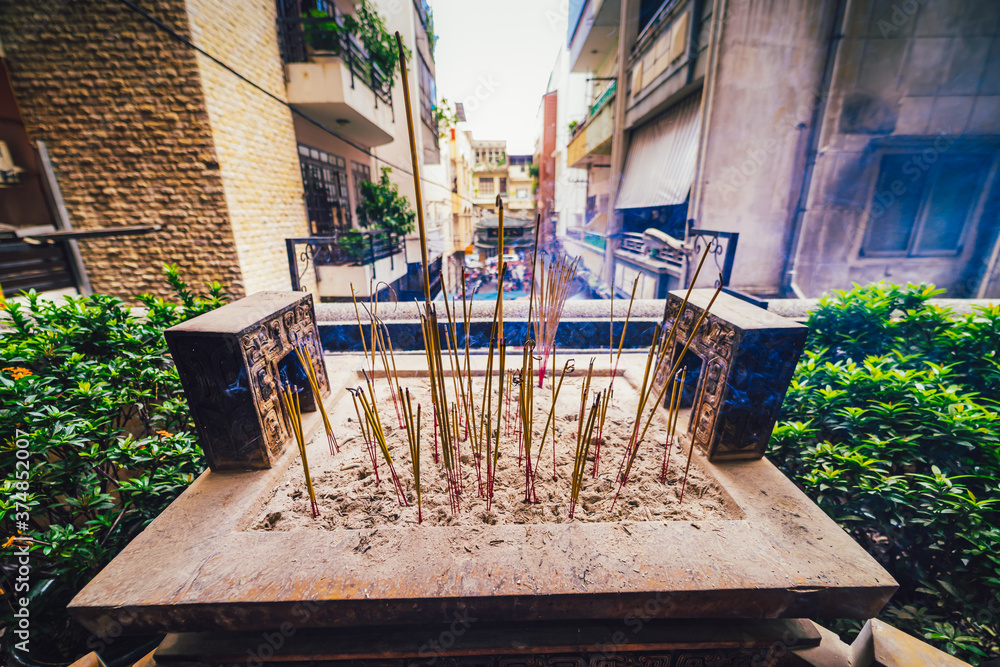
592, 139
358, 257
594, 34
596, 240
331, 78
635, 248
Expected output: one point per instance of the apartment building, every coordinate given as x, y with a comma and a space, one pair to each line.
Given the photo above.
520, 186
234, 126
490, 175
842, 141
462, 185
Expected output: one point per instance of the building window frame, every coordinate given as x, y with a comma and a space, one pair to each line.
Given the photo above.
325, 188
877, 196
487, 185
428, 94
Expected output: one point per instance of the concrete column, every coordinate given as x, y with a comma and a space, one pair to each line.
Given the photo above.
625, 36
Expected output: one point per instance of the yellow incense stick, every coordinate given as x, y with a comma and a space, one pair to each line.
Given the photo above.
305, 359
291, 402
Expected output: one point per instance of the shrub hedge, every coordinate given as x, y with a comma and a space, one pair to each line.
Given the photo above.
88, 390
891, 425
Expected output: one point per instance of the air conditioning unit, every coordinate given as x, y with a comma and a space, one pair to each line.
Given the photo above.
10, 173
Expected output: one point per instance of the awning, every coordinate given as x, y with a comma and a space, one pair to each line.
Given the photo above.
599, 224
659, 167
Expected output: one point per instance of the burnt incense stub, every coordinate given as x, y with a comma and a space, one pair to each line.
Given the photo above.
744, 358
230, 361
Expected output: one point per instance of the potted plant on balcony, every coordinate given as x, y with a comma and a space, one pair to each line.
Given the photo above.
322, 32
369, 27
383, 207
354, 244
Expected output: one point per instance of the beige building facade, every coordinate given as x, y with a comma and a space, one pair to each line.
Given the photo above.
266, 138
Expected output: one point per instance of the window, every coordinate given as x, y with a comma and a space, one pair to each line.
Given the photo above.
922, 204
428, 94
485, 186
360, 173
503, 185
647, 12
324, 179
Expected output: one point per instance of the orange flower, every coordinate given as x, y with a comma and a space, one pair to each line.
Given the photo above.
164, 434
18, 372
10, 541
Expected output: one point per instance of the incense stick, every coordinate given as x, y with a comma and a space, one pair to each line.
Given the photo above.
526, 411
674, 400
361, 329
375, 425
369, 443
555, 281
582, 449
634, 447
290, 399
694, 431
413, 438
305, 359
568, 368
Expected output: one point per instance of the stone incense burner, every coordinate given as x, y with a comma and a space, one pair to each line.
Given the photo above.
720, 592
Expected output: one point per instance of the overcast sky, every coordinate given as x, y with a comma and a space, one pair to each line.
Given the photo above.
495, 56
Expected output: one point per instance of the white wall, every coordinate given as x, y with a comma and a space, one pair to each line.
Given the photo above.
571, 184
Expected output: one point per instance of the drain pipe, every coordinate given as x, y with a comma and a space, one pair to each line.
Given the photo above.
837, 30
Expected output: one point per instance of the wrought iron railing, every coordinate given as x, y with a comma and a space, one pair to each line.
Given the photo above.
723, 250
349, 248
633, 242
636, 244
593, 239
323, 33
603, 98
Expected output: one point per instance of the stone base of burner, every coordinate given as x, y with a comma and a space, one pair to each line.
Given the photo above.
627, 642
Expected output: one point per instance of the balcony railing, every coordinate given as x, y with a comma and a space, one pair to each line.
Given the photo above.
603, 98
349, 248
636, 244
595, 240
302, 38
723, 248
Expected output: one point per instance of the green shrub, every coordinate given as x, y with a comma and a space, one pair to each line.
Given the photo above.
383, 207
88, 388
369, 27
891, 426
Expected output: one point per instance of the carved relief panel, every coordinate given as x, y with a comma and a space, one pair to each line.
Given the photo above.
229, 362
747, 359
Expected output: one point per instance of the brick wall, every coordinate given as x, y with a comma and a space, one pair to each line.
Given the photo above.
120, 106
253, 135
